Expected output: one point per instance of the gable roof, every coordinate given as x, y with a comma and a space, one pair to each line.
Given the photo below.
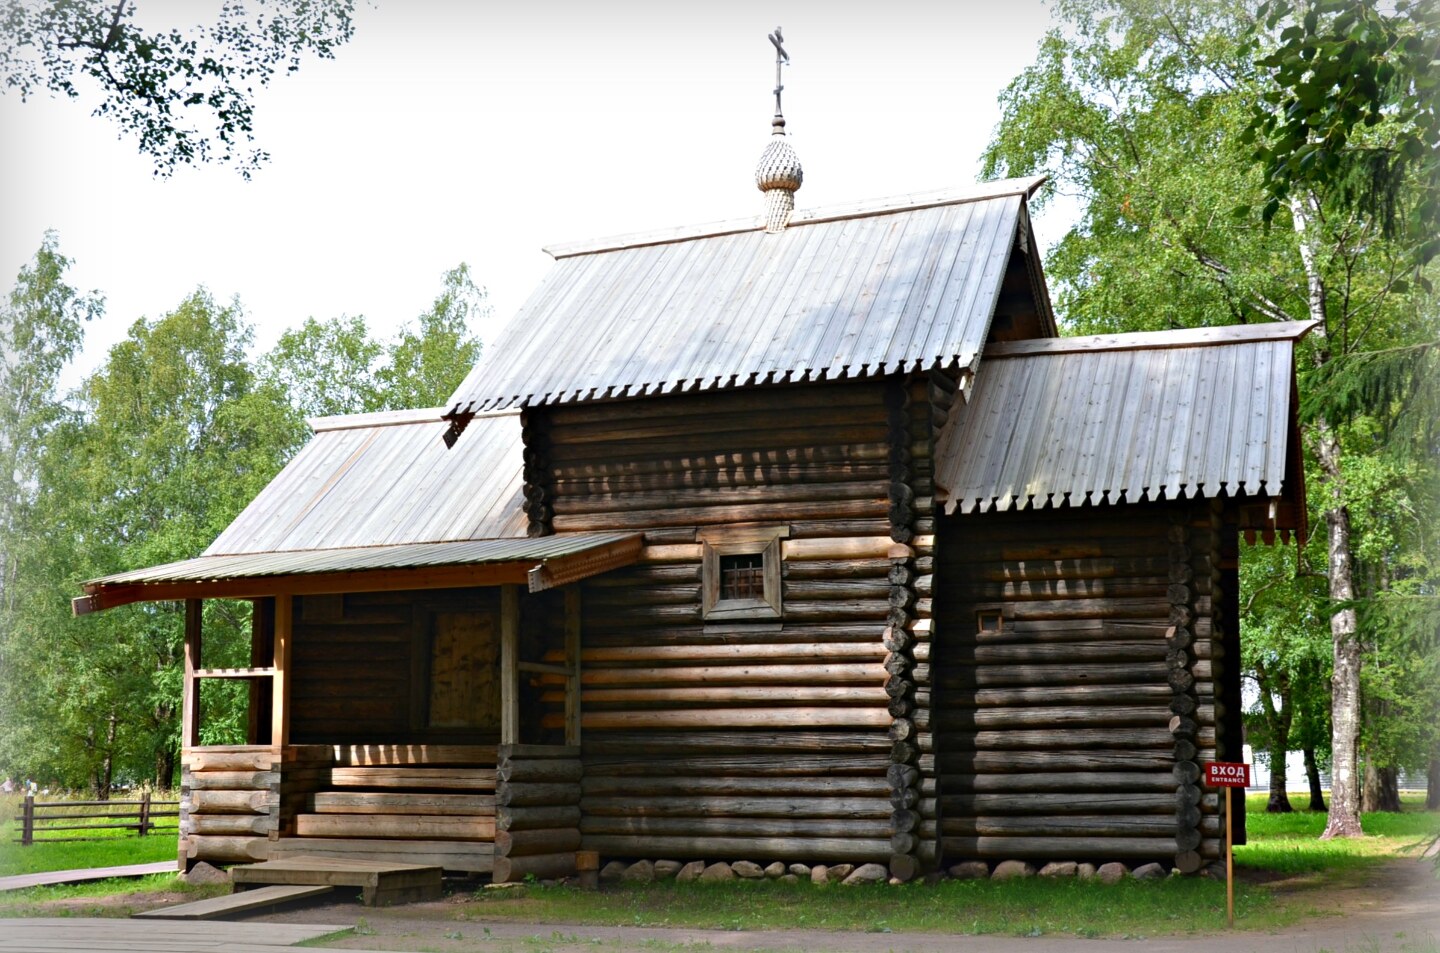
377, 502
387, 479
1123, 418
854, 291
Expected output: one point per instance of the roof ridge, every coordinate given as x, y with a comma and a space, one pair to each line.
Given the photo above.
1145, 340
981, 192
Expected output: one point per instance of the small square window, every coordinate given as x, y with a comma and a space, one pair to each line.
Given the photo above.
989, 621
742, 576
741, 572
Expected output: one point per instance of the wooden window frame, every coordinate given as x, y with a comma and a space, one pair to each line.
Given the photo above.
981, 615
762, 541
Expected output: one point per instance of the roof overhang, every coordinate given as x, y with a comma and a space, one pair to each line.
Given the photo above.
539, 563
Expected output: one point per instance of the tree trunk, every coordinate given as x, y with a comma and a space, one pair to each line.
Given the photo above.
1382, 789
165, 767
1432, 781
1312, 775
1345, 682
1279, 802
1344, 818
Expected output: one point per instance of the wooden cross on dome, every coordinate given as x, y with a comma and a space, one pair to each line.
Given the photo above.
781, 59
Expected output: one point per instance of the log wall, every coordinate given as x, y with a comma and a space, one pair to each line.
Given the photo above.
762, 739
236, 800
537, 819
1077, 729
367, 667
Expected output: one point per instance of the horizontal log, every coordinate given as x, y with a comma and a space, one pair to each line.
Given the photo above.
745, 653
1103, 825
1158, 694
537, 795
1072, 801
807, 849
719, 806
735, 633
537, 818
746, 401
808, 786
221, 849
516, 771
831, 717
1057, 716
649, 478
801, 764
714, 515
555, 840
676, 497
1105, 567
229, 824
787, 746
959, 762
1022, 589
232, 780
429, 827
1052, 652
469, 779
765, 695
543, 866
873, 828
372, 802
209, 759
1108, 673
771, 674
1061, 738
201, 801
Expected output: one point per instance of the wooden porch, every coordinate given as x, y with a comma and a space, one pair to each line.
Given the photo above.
466, 779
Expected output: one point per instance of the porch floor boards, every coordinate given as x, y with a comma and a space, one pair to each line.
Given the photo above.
381, 882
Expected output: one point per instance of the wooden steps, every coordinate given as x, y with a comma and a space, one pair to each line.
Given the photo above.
381, 881
459, 856
404, 826
243, 901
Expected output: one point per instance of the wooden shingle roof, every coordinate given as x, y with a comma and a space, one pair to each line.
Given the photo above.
857, 291
1124, 418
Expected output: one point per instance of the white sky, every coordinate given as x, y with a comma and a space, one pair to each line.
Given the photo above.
478, 132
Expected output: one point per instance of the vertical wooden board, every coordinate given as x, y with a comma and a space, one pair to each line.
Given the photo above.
572, 662
464, 683
509, 664
280, 700
190, 705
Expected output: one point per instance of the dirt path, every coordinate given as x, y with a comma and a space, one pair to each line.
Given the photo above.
1395, 911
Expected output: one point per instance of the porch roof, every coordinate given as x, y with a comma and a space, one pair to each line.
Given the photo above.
540, 563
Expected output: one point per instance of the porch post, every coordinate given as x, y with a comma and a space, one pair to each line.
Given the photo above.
572, 664
509, 664
190, 706
280, 681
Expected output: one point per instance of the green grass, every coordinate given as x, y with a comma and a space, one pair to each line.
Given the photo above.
1290, 844
1025, 908
108, 848
101, 898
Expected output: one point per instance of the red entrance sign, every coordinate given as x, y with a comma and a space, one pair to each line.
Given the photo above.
1221, 774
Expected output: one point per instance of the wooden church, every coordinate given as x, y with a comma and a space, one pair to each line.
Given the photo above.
801, 537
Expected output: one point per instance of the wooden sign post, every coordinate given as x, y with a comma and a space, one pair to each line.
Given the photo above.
1227, 775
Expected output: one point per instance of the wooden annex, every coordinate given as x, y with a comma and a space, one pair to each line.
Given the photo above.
810, 544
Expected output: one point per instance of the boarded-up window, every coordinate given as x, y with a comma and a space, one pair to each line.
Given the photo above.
464, 671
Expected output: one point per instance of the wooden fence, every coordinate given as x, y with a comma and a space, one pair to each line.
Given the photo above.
45, 817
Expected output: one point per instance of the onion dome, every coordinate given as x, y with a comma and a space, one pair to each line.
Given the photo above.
779, 175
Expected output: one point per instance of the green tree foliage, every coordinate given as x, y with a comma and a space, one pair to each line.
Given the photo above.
145, 464
1140, 109
1339, 69
428, 362
185, 93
